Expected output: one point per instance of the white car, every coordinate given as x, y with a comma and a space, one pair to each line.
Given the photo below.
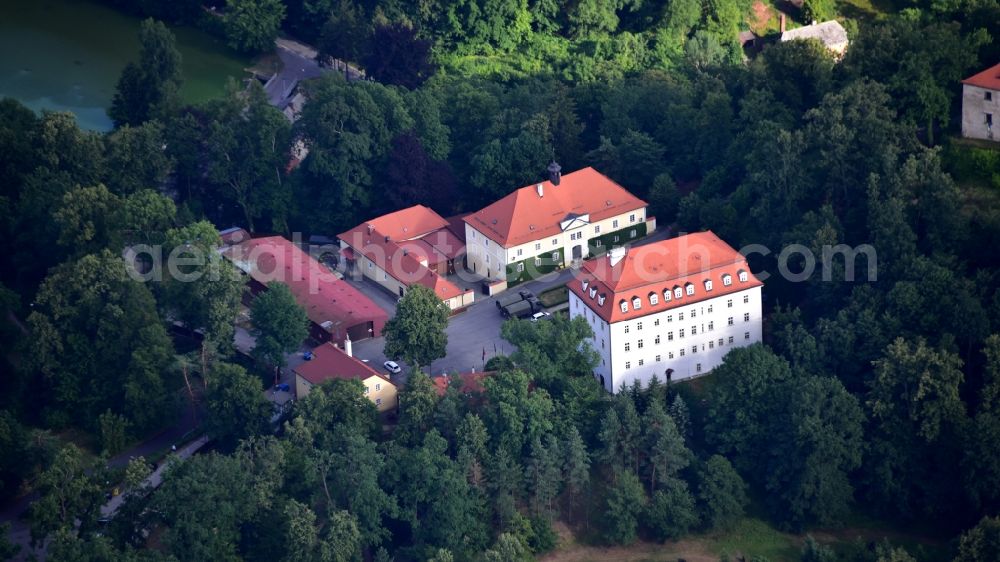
392, 367
539, 316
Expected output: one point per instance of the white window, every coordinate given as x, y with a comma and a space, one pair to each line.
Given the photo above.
600, 300
730, 339
597, 229
746, 335
680, 333
538, 246
624, 306
720, 342
384, 276
628, 346
614, 223
670, 318
520, 251
656, 322
678, 293
616, 238
689, 288
378, 387
680, 316
538, 261
729, 303
628, 364
520, 267
670, 355
378, 401
641, 361
657, 358
694, 349
638, 325
709, 309
602, 343
636, 303
666, 295
727, 280
555, 241
366, 390
555, 255
370, 265
682, 352
638, 344
598, 244
654, 299
670, 336
711, 345
694, 312
584, 284
593, 292
711, 326
631, 218
746, 317
708, 284
657, 340
698, 367
746, 299
694, 330
631, 233
626, 328
743, 276
730, 320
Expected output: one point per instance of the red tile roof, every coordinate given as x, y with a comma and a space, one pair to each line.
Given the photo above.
989, 78
331, 362
524, 216
656, 268
324, 297
400, 249
471, 382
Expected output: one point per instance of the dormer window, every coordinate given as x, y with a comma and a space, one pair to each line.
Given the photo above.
585, 283
727, 280
743, 276
636, 303
689, 289
708, 284
654, 299
593, 292
678, 292
600, 299
624, 305
666, 295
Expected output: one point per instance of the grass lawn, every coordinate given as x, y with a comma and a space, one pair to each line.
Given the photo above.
554, 296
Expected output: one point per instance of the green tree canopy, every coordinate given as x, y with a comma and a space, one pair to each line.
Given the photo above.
416, 334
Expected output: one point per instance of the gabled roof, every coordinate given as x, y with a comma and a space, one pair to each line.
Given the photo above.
663, 266
330, 362
989, 78
324, 297
524, 215
412, 237
830, 33
405, 224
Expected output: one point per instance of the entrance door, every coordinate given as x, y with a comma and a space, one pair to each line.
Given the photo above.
400, 292
577, 252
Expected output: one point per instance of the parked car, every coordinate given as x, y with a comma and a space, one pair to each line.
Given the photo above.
283, 387
539, 316
392, 367
307, 356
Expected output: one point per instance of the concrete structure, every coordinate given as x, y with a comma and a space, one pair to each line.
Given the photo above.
550, 225
336, 310
330, 362
830, 33
671, 309
981, 105
409, 246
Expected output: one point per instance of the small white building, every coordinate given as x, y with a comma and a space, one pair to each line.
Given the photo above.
551, 224
672, 309
981, 104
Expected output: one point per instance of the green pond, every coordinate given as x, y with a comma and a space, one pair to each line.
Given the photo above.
66, 55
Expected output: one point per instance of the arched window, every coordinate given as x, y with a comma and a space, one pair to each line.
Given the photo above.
654, 299
727, 280
678, 292
689, 289
708, 284
636, 303
743, 276
624, 305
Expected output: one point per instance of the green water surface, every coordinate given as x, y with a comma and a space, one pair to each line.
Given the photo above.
66, 55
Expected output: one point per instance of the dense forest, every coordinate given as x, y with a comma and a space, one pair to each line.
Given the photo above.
877, 394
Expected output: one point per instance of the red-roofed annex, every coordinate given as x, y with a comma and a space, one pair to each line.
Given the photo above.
981, 105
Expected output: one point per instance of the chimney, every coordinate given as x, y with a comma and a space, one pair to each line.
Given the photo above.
555, 172
616, 255
540, 189
781, 23
347, 347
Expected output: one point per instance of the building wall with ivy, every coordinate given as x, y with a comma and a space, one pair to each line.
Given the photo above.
533, 267
599, 245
